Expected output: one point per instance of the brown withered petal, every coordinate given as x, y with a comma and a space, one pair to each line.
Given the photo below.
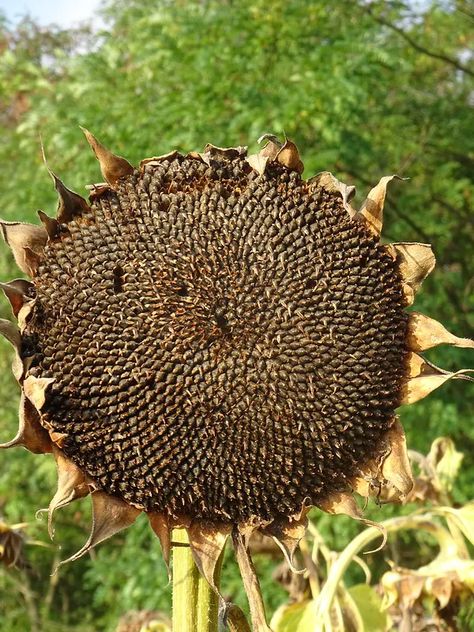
425, 333
220, 344
109, 516
72, 485
113, 167
415, 262
160, 525
26, 242
372, 208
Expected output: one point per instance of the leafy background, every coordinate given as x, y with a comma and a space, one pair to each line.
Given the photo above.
365, 88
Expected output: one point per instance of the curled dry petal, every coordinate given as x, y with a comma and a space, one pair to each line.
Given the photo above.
154, 160
31, 435
396, 468
271, 147
11, 333
417, 388
287, 536
372, 208
71, 486
35, 389
109, 516
226, 152
251, 585
113, 167
415, 262
27, 242
331, 183
425, 333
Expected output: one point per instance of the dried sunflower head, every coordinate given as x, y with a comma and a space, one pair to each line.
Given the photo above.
218, 343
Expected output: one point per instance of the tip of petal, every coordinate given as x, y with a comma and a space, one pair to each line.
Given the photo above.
113, 167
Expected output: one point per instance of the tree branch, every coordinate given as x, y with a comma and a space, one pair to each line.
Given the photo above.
421, 49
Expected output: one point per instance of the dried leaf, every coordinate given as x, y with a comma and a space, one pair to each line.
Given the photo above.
372, 208
26, 242
425, 333
113, 167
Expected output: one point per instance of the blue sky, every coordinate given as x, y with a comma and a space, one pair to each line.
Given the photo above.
63, 12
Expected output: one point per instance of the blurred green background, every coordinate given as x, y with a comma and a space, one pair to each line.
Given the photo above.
364, 88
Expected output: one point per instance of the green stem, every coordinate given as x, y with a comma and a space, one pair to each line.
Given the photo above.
328, 592
195, 605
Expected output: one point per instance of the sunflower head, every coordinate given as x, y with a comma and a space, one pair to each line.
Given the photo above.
221, 344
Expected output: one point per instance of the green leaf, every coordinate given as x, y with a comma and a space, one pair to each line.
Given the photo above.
369, 605
295, 617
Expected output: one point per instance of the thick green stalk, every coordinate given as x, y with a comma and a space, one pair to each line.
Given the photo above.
195, 605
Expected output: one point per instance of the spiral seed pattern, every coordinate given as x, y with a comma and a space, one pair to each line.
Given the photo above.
225, 345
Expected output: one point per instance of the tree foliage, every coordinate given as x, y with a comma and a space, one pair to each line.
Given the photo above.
365, 88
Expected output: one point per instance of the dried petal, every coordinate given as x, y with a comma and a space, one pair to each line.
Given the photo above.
396, 468
109, 516
160, 525
372, 208
251, 585
271, 148
11, 332
226, 152
113, 167
18, 292
71, 486
287, 536
331, 183
425, 333
50, 224
289, 157
258, 162
155, 160
70, 204
35, 389
417, 388
27, 242
31, 435
415, 262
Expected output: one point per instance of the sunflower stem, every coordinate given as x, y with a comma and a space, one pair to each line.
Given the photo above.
195, 605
